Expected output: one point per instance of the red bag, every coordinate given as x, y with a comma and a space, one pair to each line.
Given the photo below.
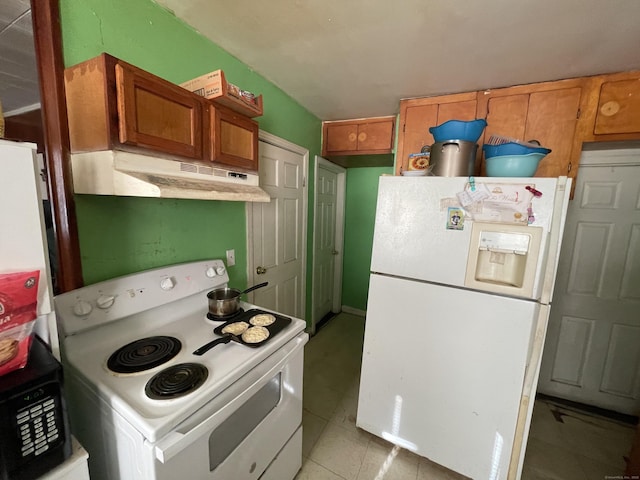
18, 312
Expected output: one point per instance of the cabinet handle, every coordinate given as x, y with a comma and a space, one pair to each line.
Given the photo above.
352, 137
335, 252
362, 137
261, 270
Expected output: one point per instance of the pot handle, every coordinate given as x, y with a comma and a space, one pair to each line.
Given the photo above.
450, 143
255, 287
208, 346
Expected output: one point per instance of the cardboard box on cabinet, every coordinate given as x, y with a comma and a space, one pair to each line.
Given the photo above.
214, 86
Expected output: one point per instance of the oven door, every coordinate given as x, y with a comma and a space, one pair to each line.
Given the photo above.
244, 428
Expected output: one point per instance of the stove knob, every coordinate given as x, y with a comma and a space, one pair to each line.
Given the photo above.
220, 270
211, 272
167, 283
105, 301
82, 308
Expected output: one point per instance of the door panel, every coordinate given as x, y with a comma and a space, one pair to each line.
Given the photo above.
278, 230
592, 353
325, 233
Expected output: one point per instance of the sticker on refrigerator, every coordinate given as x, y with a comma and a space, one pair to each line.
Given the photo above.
507, 203
455, 218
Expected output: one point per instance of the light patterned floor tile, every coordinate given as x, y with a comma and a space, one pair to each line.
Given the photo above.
389, 463
312, 427
340, 450
594, 470
312, 471
321, 400
550, 461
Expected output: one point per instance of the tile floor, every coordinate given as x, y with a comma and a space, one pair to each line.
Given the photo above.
563, 444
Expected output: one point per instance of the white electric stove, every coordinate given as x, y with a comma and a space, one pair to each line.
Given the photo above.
233, 412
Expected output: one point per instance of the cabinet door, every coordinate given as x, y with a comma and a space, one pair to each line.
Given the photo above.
366, 136
507, 116
618, 107
552, 120
543, 113
233, 139
415, 133
156, 115
375, 137
340, 138
418, 114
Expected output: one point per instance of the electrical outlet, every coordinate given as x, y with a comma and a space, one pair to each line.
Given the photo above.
231, 258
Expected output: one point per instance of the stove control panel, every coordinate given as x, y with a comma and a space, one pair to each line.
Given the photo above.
117, 298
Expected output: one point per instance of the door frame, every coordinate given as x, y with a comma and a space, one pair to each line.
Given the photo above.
339, 236
292, 147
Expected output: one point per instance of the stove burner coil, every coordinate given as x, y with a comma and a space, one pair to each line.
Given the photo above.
144, 354
176, 381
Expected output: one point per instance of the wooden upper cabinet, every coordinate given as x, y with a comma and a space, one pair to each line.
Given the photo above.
365, 136
157, 115
547, 112
233, 138
618, 107
561, 115
418, 114
613, 108
114, 105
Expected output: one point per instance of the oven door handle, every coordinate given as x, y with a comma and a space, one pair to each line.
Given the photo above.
176, 441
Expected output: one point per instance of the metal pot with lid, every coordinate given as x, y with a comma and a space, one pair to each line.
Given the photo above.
453, 158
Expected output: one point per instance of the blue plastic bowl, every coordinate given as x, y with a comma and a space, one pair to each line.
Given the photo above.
469, 131
513, 165
511, 148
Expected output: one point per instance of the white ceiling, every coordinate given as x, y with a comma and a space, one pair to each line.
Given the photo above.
357, 58
18, 69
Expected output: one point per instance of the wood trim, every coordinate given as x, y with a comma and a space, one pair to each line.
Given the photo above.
47, 35
453, 98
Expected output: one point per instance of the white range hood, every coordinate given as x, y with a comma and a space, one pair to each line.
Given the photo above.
112, 172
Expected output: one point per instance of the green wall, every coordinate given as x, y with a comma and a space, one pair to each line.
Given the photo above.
120, 235
360, 209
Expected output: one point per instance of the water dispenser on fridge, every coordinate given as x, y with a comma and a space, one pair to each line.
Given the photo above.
504, 258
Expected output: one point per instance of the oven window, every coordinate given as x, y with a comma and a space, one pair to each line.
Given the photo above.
241, 423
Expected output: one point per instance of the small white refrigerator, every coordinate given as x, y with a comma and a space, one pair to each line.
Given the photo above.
462, 276
23, 247
23, 237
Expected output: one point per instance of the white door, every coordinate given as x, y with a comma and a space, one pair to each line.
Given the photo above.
443, 370
328, 239
278, 231
592, 351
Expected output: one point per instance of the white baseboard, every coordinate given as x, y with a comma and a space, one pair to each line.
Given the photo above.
354, 311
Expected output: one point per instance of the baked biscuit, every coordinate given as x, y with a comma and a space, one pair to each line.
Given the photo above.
262, 319
255, 335
235, 328
8, 350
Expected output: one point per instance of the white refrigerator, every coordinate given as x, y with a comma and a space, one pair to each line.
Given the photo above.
462, 276
23, 237
23, 247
